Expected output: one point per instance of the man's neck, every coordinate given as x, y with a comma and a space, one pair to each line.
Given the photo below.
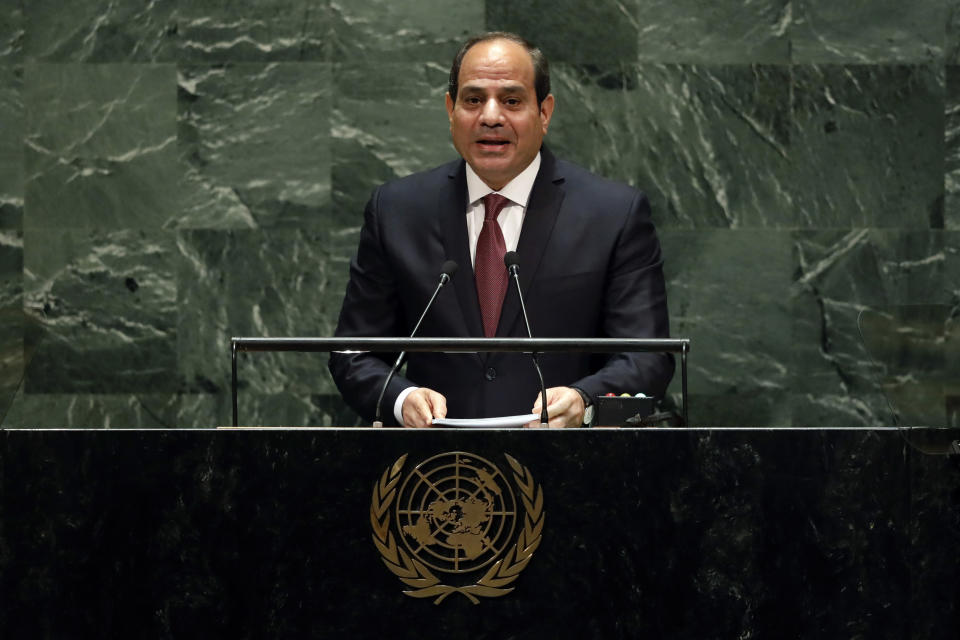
517, 190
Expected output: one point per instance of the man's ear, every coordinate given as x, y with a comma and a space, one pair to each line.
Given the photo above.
546, 111
449, 102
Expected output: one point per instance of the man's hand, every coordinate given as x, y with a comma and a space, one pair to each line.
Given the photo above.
564, 407
421, 406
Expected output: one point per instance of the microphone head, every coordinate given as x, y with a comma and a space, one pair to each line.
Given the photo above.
511, 259
449, 268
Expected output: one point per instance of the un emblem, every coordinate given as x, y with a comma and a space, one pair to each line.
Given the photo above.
457, 514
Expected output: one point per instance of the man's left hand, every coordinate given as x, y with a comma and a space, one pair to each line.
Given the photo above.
564, 408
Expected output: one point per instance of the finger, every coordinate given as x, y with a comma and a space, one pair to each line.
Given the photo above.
419, 415
557, 400
562, 421
566, 410
538, 403
438, 405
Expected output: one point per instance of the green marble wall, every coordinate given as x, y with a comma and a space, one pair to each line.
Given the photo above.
174, 173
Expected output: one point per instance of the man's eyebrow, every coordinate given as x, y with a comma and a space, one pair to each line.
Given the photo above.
510, 88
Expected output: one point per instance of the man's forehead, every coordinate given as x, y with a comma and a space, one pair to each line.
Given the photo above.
499, 58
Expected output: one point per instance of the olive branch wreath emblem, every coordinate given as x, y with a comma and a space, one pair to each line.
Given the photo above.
423, 583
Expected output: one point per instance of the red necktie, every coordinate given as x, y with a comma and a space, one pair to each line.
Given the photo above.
488, 267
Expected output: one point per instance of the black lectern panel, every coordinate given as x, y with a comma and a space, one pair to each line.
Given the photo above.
650, 533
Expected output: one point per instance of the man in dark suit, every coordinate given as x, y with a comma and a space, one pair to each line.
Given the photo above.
590, 263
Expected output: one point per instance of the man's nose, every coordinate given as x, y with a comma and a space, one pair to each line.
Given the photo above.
491, 115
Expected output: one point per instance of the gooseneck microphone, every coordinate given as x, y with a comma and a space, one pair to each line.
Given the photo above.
512, 262
446, 271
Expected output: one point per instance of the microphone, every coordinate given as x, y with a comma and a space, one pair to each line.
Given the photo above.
512, 262
446, 271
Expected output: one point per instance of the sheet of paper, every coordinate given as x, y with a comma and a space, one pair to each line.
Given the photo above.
505, 422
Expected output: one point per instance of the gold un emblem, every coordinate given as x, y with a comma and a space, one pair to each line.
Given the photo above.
456, 514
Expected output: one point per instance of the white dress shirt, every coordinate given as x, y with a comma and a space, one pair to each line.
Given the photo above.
517, 191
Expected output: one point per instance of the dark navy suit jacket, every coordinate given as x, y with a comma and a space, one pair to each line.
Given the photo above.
590, 266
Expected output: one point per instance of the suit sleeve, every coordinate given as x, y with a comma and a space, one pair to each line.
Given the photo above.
371, 308
634, 305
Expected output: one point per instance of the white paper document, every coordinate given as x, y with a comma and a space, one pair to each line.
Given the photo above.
505, 422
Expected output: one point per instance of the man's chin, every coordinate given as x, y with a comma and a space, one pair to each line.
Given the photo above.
492, 163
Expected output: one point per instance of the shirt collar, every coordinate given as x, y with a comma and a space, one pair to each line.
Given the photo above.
517, 190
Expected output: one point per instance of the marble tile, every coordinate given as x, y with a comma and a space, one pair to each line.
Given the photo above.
100, 146
911, 343
11, 31
726, 294
251, 30
692, 31
601, 32
917, 347
737, 410
232, 284
951, 207
866, 146
932, 528
255, 141
880, 31
103, 310
11, 317
295, 408
388, 121
709, 144
117, 411
402, 30
97, 31
11, 147
841, 376
952, 48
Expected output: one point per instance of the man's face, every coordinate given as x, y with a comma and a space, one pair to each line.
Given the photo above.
495, 122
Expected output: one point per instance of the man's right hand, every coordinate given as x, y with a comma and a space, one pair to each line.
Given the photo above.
421, 406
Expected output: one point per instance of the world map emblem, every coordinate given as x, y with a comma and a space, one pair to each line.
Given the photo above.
456, 517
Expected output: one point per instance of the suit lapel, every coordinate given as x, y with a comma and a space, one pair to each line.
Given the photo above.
452, 207
541, 216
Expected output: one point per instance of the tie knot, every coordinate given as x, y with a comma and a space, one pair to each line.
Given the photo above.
493, 204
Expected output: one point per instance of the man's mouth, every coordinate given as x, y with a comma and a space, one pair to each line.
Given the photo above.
493, 143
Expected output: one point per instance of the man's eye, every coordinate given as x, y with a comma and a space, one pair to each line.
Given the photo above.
472, 100
513, 102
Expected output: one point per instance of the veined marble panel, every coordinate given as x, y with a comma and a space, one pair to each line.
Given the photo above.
101, 146
726, 293
117, 411
233, 284
255, 141
952, 49
600, 32
11, 317
252, 30
843, 363
866, 146
710, 145
11, 147
952, 151
693, 31
388, 121
11, 31
402, 30
103, 306
879, 31
98, 31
